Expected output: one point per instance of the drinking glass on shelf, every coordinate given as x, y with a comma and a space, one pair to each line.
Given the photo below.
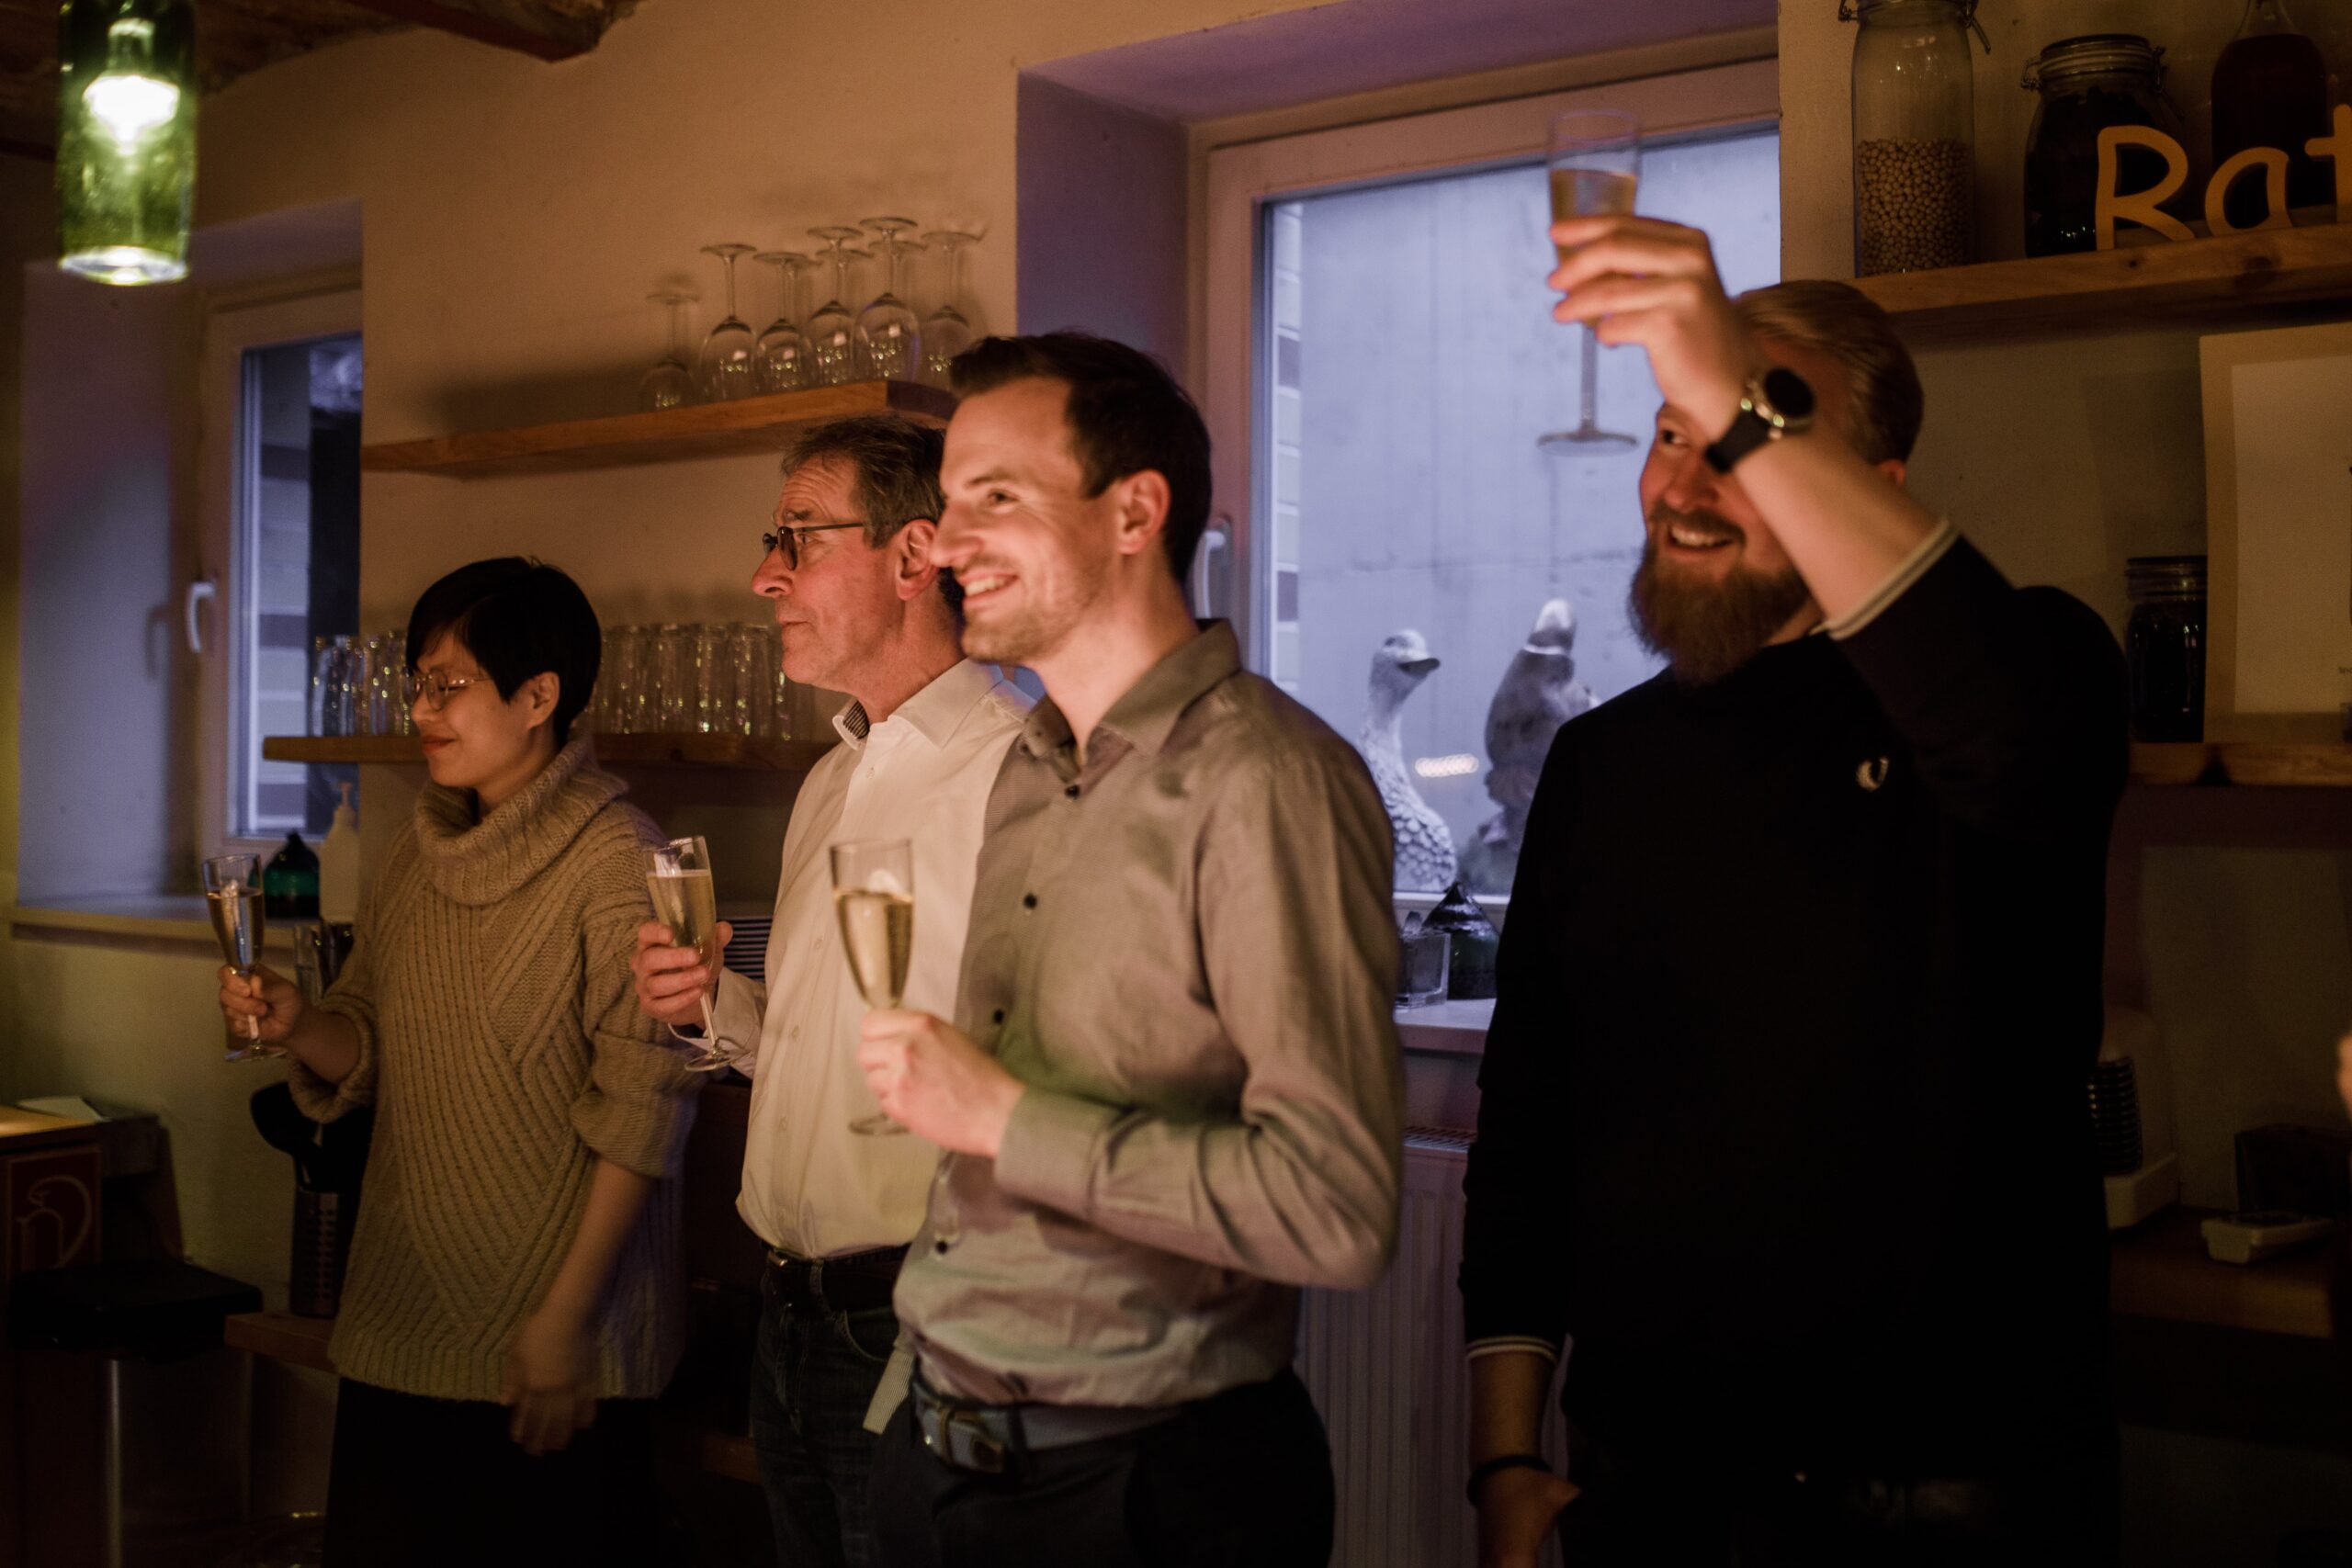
673, 680
751, 657
830, 332
1595, 165
889, 339
780, 359
946, 332
725, 368
874, 899
686, 901
331, 685
714, 686
233, 897
669, 384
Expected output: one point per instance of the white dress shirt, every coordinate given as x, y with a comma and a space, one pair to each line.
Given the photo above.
811, 1187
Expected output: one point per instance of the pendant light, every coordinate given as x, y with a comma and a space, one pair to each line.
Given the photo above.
126, 138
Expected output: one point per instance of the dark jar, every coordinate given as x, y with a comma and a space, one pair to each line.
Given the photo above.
2087, 84
1471, 973
2163, 646
2270, 90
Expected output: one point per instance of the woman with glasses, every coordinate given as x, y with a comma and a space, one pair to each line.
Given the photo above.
514, 1300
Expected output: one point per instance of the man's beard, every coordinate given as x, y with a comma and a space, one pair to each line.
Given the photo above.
1705, 630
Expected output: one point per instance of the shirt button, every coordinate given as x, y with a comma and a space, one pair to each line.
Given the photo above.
1028, 900
996, 1017
939, 1247
1071, 792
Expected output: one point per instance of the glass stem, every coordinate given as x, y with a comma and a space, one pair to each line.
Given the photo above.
1588, 379
731, 287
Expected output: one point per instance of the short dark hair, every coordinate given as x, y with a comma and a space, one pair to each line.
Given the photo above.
894, 463
518, 617
1126, 414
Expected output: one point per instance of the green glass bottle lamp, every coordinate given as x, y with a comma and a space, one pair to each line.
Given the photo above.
126, 138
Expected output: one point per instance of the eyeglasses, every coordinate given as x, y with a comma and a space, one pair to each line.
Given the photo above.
789, 539
436, 686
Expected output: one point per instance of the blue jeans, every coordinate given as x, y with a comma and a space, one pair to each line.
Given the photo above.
813, 1376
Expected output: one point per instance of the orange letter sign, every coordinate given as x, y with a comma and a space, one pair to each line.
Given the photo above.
2141, 207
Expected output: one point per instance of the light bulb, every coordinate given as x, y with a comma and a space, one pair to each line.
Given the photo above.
131, 104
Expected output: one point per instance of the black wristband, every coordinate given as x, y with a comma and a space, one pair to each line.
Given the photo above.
1502, 1462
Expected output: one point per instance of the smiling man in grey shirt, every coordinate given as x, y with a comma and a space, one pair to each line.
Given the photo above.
1173, 1092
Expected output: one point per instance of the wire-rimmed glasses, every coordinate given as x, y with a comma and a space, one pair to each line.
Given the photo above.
947, 332
831, 331
889, 339
669, 384
725, 368
780, 359
1594, 167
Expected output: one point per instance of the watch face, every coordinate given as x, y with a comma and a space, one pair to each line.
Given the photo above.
1790, 394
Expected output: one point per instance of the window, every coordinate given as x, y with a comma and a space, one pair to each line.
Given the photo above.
282, 394
1420, 566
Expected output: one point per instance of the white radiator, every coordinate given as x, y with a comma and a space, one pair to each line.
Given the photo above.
1386, 1368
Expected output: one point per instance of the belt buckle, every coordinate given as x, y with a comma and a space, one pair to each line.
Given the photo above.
986, 1452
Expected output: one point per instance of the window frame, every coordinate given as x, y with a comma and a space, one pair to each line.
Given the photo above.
1242, 180
234, 324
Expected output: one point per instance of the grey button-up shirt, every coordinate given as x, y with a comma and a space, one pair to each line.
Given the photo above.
1185, 950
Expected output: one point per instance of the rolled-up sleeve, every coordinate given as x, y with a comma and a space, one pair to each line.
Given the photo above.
1299, 948
637, 1106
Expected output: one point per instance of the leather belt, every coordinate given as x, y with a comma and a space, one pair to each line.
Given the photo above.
852, 1282
990, 1439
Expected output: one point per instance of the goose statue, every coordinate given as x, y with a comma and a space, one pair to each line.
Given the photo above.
1539, 693
1424, 843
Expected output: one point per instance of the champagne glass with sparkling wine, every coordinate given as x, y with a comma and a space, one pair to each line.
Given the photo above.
232, 896
1596, 166
874, 895
685, 899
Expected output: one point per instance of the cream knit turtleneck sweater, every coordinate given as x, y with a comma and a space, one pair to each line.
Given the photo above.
502, 1045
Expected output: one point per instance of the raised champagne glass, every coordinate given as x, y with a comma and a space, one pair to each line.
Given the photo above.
726, 369
233, 897
686, 900
1596, 168
873, 897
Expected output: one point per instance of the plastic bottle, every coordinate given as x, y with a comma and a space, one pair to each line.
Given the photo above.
339, 864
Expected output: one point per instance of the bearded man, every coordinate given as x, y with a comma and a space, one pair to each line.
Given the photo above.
1782, 1120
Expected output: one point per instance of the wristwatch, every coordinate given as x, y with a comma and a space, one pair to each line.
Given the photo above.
1777, 403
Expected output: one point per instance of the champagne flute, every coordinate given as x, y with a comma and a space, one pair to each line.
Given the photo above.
781, 356
946, 331
874, 897
232, 896
889, 341
686, 900
726, 369
831, 331
1596, 166
669, 385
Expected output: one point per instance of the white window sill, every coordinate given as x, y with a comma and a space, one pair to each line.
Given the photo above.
1453, 1029
144, 917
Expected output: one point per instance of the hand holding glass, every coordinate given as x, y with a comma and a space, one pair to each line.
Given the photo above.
685, 899
874, 897
233, 897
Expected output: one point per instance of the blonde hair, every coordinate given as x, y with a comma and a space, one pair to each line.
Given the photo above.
1839, 319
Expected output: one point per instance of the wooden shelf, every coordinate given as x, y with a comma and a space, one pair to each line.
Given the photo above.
2161, 1270
2131, 283
752, 753
2311, 766
301, 1341
703, 430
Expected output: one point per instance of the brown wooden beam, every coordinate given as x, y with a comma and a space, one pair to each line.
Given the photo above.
503, 24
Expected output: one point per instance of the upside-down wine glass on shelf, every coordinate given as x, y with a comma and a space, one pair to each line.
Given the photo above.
725, 368
1595, 166
830, 330
873, 897
669, 384
781, 356
889, 339
233, 897
946, 331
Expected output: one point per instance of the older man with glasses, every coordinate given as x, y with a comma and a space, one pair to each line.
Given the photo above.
862, 607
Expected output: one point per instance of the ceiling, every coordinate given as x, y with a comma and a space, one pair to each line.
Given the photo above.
233, 37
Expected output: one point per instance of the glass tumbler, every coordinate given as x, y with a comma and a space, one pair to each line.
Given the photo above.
673, 680
714, 680
752, 652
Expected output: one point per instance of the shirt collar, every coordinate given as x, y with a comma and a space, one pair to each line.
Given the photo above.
935, 712
1149, 711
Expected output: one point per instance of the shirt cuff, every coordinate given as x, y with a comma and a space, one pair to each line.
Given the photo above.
1898, 582
1051, 1147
